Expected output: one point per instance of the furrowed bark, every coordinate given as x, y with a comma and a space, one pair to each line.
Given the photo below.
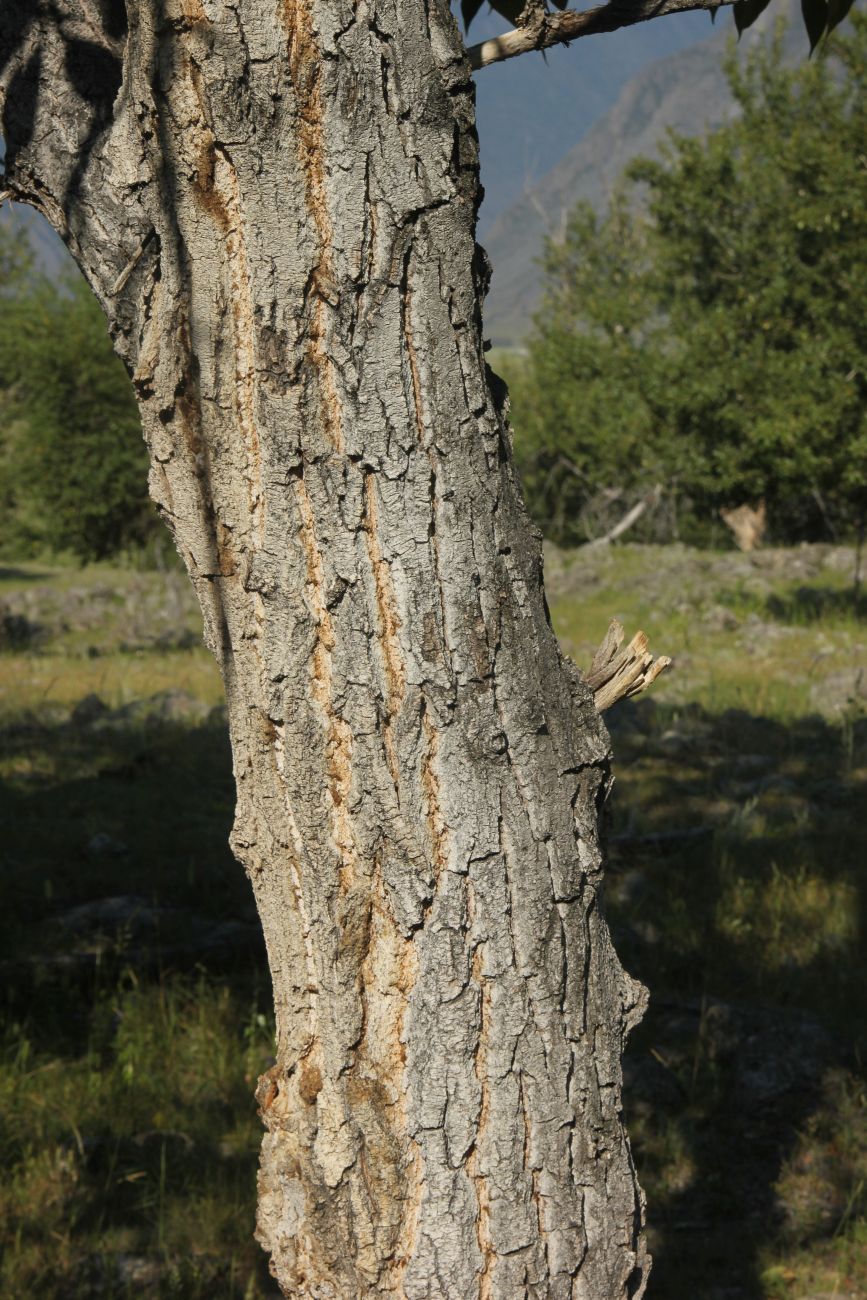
275, 204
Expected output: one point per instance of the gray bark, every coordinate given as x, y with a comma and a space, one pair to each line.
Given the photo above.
275, 203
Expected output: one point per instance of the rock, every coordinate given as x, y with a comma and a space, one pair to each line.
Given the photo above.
752, 762
830, 1295
165, 706
776, 783
146, 933
839, 692
647, 932
648, 1086
631, 717
105, 846
219, 716
89, 710
163, 1137
839, 559
716, 618
772, 1052
227, 936
171, 639
121, 1273
185, 639
17, 632
178, 706
757, 632
672, 742
662, 839
122, 911
100, 591
768, 1054
628, 887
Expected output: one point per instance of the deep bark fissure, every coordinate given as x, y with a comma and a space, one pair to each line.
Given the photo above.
278, 217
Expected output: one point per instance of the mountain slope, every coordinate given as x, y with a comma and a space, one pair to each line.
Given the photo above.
686, 92
531, 111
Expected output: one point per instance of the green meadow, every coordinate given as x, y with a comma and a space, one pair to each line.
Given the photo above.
136, 1015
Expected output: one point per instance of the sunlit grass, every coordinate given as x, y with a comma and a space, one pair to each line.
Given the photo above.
145, 1141
127, 1126
793, 917
33, 683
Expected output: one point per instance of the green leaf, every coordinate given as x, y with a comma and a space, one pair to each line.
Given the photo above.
837, 11
679, 341
469, 9
815, 14
508, 9
747, 11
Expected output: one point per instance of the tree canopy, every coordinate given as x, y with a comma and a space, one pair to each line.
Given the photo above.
73, 465
707, 331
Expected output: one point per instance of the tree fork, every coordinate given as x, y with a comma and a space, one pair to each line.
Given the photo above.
276, 206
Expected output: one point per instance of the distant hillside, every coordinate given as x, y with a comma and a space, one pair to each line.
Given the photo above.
531, 111
686, 91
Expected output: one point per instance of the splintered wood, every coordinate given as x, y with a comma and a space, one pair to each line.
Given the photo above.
617, 674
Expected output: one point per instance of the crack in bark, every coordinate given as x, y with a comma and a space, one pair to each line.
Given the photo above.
306, 70
409, 344
338, 744
387, 977
480, 1181
294, 858
389, 618
430, 785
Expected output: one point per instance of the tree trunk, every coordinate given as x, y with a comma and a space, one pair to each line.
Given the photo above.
275, 203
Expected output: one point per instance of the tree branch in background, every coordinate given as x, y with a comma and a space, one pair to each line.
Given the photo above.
559, 29
617, 674
632, 516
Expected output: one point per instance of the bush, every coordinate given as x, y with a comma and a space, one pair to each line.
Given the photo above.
707, 332
73, 465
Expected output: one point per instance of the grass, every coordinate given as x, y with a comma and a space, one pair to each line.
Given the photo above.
131, 1042
141, 1142
742, 632
736, 892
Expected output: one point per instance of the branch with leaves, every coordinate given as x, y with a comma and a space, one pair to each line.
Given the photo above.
537, 28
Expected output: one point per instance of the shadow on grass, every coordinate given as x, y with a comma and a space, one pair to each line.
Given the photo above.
133, 1036
737, 894
11, 574
807, 605
137, 1014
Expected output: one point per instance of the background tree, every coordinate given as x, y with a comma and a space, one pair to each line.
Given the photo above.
16, 260
761, 261
588, 399
73, 464
732, 336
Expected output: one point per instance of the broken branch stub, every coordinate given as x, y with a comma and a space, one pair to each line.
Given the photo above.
617, 674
